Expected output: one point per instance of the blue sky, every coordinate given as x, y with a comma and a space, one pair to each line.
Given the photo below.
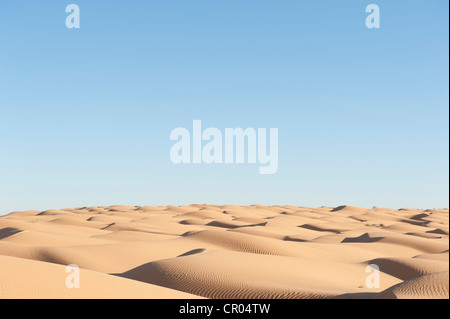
86, 114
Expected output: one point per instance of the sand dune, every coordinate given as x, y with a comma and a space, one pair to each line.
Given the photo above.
226, 251
22, 278
229, 274
433, 286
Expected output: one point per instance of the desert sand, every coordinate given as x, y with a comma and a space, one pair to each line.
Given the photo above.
226, 251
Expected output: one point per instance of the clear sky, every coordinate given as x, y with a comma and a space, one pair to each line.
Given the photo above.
86, 114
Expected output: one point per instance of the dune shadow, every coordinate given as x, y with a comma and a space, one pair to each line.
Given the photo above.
419, 217
365, 238
192, 252
106, 227
191, 233
289, 238
437, 231
311, 227
220, 224
336, 209
357, 295
8, 231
